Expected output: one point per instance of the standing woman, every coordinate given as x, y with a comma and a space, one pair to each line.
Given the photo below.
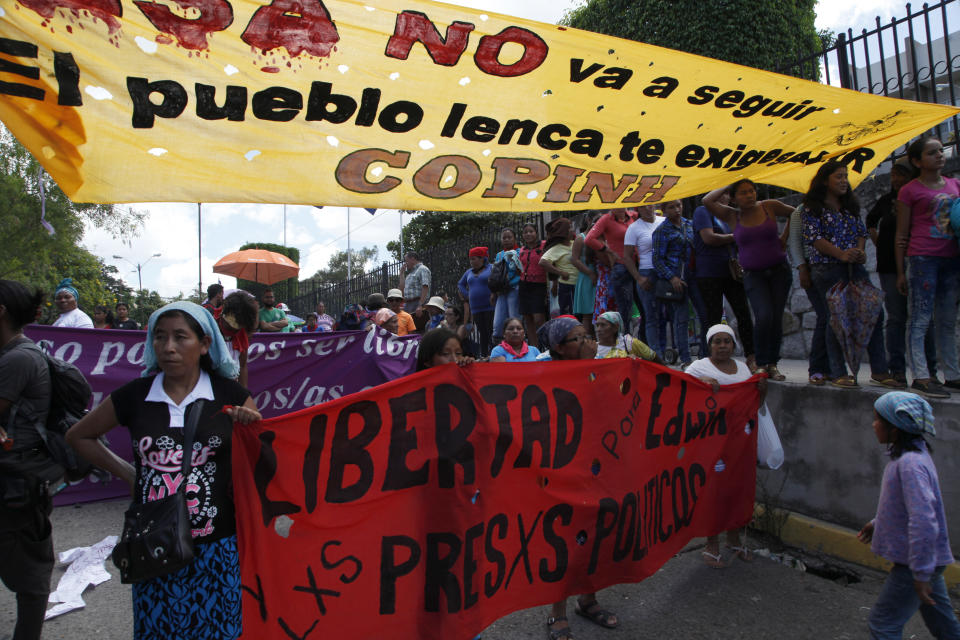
556, 261
102, 317
473, 288
638, 256
834, 237
933, 259
606, 237
568, 340
766, 273
718, 369
185, 359
585, 291
507, 303
26, 538
533, 282
672, 247
67, 298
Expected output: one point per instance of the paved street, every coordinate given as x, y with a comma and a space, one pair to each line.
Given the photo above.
685, 599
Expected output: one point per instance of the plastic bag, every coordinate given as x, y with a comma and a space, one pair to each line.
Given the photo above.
769, 449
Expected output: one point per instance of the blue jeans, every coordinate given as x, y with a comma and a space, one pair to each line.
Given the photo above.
895, 305
825, 276
649, 306
700, 308
508, 306
818, 362
898, 602
679, 314
934, 287
767, 291
623, 285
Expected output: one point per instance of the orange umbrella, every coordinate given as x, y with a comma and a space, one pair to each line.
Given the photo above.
258, 265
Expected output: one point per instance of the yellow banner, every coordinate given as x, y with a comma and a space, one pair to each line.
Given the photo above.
412, 105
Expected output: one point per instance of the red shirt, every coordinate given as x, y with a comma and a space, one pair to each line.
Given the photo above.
530, 259
612, 232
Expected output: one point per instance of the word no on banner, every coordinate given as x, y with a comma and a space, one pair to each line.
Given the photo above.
410, 105
430, 506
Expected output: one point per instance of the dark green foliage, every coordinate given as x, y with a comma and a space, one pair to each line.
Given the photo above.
756, 33
431, 229
336, 270
283, 290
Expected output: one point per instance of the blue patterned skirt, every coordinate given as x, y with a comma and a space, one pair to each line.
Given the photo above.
199, 602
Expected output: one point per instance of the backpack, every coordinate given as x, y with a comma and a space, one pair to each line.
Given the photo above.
70, 394
499, 280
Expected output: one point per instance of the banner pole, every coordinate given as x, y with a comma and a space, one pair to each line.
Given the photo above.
199, 251
349, 270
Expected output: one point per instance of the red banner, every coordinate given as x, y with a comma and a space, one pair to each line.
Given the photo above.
430, 506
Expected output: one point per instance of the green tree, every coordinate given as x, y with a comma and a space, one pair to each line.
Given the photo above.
429, 229
756, 33
361, 260
38, 258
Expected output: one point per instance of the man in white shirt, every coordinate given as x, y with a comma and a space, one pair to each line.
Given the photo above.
638, 255
66, 298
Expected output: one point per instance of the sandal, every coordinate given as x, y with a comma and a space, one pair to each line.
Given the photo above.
774, 373
597, 615
818, 379
742, 553
713, 560
887, 380
558, 634
845, 382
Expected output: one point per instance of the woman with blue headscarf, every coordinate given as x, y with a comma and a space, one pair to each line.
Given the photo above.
185, 360
910, 529
67, 298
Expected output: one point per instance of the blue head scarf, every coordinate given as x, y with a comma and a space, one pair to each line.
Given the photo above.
906, 411
554, 331
67, 285
223, 364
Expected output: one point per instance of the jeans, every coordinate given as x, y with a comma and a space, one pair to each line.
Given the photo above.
713, 291
767, 290
508, 306
623, 285
700, 308
678, 313
818, 362
898, 602
649, 307
825, 276
934, 286
895, 305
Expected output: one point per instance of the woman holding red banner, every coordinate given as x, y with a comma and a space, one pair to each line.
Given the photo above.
185, 360
569, 340
514, 347
439, 347
717, 370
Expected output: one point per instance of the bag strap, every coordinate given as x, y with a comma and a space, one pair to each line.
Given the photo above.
39, 425
189, 431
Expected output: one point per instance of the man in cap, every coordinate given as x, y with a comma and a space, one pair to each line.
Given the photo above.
405, 323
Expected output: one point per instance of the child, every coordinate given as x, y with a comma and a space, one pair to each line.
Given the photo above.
910, 528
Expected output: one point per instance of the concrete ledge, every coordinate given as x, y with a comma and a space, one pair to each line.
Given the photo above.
814, 535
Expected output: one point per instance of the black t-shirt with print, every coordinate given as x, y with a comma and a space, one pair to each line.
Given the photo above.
157, 453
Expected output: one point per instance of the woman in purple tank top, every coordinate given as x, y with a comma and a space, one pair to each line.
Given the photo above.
766, 274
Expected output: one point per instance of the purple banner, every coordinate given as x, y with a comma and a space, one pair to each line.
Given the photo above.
286, 372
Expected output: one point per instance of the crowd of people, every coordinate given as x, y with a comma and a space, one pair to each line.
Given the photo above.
571, 296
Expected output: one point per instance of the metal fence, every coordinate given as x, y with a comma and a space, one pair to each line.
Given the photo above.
916, 57
446, 262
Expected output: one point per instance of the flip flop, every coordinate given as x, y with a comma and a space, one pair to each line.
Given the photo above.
742, 553
597, 615
558, 634
713, 560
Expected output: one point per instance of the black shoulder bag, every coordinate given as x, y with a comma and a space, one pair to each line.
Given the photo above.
156, 537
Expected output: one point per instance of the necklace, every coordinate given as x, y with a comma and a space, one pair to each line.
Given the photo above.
936, 185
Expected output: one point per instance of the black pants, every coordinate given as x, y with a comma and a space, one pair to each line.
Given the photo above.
713, 291
483, 320
26, 561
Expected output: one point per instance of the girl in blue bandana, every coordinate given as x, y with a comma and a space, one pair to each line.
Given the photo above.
910, 529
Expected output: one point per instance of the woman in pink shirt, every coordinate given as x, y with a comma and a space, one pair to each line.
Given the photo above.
533, 280
931, 269
606, 237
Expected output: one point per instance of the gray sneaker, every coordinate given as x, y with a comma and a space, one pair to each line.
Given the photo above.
931, 389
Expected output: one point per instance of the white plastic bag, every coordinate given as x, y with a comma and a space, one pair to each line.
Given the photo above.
769, 449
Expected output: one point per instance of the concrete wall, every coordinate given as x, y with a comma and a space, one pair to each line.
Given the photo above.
834, 464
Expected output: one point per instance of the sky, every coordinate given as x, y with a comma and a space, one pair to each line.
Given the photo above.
171, 228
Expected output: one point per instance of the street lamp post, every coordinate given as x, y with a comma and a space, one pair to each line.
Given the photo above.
139, 266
